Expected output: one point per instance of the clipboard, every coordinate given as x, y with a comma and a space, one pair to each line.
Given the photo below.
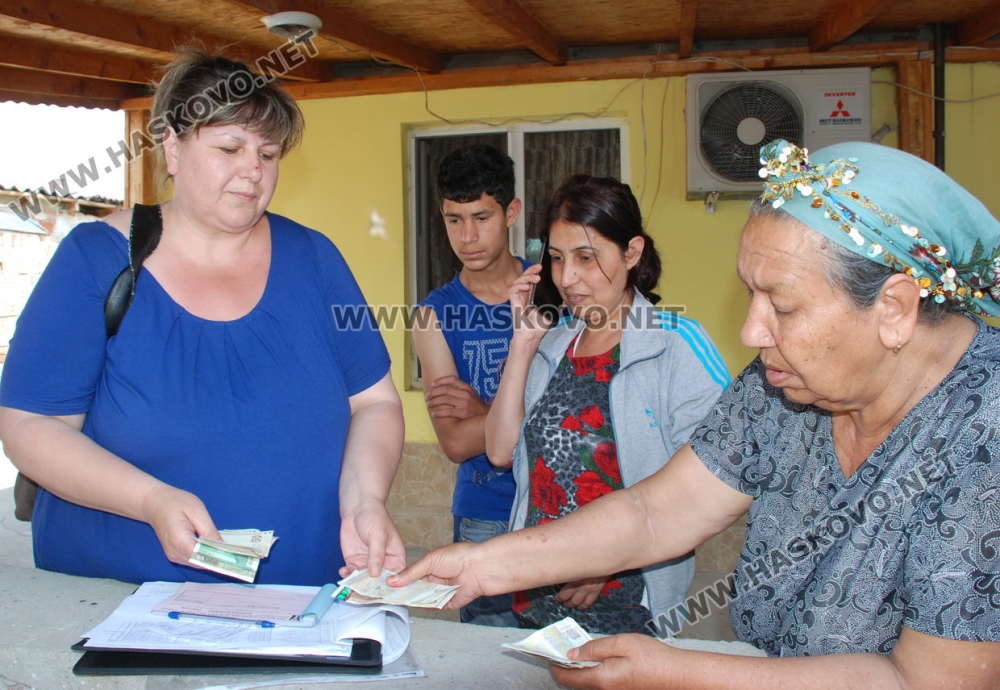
365, 658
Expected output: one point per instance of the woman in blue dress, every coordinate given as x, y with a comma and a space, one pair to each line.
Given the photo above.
228, 398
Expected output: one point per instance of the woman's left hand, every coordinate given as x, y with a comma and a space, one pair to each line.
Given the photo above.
629, 661
581, 594
369, 540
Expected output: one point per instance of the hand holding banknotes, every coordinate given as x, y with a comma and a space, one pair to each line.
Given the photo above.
555, 643
626, 661
237, 553
361, 588
368, 538
178, 517
449, 565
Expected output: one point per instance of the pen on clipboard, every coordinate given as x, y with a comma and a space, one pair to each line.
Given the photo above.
178, 616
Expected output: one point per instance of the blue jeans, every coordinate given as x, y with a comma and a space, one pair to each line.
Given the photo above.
496, 610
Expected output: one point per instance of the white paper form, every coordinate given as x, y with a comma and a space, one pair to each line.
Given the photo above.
255, 604
133, 626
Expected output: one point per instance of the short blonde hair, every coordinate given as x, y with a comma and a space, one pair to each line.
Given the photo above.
199, 89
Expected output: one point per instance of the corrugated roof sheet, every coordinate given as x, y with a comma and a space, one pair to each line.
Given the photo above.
12, 223
41, 192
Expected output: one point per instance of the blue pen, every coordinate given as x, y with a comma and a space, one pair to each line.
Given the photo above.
178, 616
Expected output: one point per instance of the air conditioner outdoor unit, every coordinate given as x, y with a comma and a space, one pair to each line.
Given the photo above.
730, 116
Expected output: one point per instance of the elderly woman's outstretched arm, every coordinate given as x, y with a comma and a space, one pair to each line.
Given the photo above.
57, 455
661, 517
918, 662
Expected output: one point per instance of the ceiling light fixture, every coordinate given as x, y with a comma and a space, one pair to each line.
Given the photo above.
291, 24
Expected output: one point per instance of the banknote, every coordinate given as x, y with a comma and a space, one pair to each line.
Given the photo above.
553, 643
233, 564
237, 555
246, 542
361, 588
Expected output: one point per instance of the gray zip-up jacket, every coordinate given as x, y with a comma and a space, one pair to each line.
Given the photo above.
669, 378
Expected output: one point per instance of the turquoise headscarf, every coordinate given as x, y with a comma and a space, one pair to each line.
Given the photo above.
894, 209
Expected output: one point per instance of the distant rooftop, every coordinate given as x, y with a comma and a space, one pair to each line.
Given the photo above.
12, 223
44, 208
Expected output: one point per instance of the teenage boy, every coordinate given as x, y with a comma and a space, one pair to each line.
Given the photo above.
462, 338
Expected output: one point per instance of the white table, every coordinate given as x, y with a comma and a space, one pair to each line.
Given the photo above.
42, 614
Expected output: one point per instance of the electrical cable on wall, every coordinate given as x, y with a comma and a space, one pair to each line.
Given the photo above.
736, 63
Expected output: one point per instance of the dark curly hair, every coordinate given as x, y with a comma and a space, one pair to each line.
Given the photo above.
606, 206
468, 173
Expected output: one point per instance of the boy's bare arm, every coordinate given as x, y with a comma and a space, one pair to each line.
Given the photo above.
457, 412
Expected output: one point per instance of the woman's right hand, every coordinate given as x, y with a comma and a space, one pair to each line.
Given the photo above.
530, 325
449, 565
177, 517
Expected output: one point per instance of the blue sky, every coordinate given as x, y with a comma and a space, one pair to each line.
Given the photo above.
40, 143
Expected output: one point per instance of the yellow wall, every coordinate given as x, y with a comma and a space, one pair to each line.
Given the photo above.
353, 161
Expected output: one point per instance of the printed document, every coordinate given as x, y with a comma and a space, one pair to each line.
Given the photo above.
134, 626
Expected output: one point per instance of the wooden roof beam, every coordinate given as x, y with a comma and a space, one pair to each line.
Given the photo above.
51, 57
137, 32
978, 28
343, 28
99, 22
32, 81
510, 16
689, 15
636, 67
849, 17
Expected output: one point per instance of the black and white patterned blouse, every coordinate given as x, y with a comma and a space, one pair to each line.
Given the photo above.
571, 439
836, 565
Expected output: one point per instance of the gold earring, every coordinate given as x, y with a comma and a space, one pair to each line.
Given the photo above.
899, 346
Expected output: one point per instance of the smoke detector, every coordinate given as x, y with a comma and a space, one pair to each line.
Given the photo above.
291, 24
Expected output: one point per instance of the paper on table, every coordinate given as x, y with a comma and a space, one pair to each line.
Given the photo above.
246, 603
133, 626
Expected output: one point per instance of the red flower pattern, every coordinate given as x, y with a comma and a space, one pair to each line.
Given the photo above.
611, 584
590, 487
586, 365
592, 417
572, 423
606, 458
546, 495
521, 602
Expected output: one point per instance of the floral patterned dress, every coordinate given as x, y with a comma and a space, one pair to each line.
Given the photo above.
571, 438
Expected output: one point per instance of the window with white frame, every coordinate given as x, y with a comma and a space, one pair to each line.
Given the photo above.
544, 156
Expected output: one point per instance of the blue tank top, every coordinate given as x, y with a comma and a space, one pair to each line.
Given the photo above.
478, 335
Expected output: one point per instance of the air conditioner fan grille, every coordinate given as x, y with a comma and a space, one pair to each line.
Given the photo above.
730, 156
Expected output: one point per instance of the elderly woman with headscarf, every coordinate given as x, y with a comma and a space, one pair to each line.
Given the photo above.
862, 440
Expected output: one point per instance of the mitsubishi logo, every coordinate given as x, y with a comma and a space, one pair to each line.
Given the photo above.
840, 112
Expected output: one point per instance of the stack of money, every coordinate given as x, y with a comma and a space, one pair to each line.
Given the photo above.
361, 588
238, 553
553, 643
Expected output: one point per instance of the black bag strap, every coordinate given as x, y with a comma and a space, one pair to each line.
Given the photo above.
143, 236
